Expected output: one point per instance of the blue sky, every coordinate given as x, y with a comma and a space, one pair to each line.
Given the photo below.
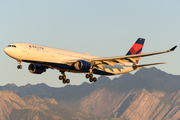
104, 28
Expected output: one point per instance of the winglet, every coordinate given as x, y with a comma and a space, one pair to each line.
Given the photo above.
172, 49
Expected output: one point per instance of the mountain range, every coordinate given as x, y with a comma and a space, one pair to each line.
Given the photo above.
148, 94
32, 107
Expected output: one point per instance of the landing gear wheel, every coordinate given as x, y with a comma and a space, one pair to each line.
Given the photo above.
64, 77
64, 81
19, 66
91, 75
87, 75
90, 79
94, 79
67, 81
60, 77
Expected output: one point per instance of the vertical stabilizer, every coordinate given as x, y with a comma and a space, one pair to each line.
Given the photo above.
137, 47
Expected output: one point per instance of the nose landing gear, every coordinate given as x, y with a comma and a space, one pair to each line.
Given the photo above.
19, 66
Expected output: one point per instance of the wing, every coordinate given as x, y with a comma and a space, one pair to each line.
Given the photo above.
99, 62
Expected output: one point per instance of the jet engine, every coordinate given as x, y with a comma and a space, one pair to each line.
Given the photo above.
36, 69
82, 65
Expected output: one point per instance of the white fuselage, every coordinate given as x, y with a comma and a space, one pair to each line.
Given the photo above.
49, 56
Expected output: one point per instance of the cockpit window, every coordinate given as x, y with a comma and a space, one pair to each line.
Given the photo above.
11, 46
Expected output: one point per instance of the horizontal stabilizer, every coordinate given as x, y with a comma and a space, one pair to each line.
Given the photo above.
149, 64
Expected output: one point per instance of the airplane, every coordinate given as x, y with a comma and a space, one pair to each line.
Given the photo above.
42, 58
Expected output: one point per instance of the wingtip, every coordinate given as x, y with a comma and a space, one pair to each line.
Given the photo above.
172, 49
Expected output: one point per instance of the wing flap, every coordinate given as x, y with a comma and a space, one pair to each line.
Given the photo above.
132, 59
109, 63
100, 66
120, 61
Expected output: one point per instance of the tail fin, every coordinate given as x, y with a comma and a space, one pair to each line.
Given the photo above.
137, 47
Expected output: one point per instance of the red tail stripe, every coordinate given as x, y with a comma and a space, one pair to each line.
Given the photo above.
135, 48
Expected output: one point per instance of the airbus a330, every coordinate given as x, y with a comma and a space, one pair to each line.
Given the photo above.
42, 58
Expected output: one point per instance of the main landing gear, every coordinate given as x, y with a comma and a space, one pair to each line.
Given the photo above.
91, 78
19, 66
63, 78
90, 75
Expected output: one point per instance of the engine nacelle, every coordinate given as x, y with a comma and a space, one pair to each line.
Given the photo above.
36, 69
82, 65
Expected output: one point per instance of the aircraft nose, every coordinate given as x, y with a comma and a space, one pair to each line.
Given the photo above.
6, 50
